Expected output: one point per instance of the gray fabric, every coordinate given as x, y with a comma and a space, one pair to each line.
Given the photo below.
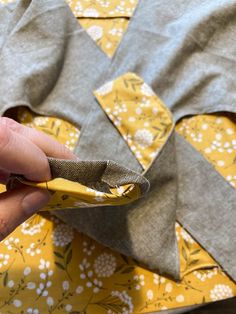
190, 63
206, 205
97, 173
43, 64
176, 47
185, 50
190, 55
144, 230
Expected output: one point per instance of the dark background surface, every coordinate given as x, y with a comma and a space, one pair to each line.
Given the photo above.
222, 307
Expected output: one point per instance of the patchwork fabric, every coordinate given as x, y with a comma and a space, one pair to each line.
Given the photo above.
143, 120
96, 278
45, 245
86, 184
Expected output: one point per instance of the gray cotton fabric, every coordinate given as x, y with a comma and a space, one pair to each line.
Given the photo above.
97, 174
186, 52
144, 229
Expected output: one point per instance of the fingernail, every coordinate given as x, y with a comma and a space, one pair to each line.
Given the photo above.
35, 200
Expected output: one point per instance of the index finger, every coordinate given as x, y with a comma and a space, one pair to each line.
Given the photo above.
19, 155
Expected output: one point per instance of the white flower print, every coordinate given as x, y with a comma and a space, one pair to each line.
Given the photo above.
30, 310
206, 274
43, 264
197, 137
44, 275
31, 285
155, 110
62, 235
86, 274
146, 90
205, 126
177, 235
40, 121
79, 289
99, 196
50, 301
105, 89
95, 32
140, 281
104, 3
180, 298
90, 12
229, 131
88, 249
230, 179
116, 32
120, 190
105, 265
65, 285
32, 250
68, 307
11, 243
145, 103
218, 136
31, 228
220, 163
11, 284
138, 110
207, 150
156, 279
186, 236
132, 119
27, 271
220, 292
78, 9
17, 303
149, 294
126, 299
168, 287
144, 138
4, 259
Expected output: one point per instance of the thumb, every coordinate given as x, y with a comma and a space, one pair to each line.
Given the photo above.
18, 205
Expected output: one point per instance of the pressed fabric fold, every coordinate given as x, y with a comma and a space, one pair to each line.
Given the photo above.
92, 172
46, 80
145, 229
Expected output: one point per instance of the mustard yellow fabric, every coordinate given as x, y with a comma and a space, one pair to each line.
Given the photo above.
140, 116
91, 16
63, 271
47, 267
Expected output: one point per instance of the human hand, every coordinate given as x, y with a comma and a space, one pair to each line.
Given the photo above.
23, 150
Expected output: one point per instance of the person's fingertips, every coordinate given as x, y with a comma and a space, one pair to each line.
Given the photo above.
46, 143
4, 176
19, 155
14, 125
34, 200
18, 205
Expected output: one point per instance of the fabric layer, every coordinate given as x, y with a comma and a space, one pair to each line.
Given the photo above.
19, 95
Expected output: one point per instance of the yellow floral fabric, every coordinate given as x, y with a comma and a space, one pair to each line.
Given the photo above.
214, 136
44, 253
140, 116
69, 194
47, 267
108, 32
102, 8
